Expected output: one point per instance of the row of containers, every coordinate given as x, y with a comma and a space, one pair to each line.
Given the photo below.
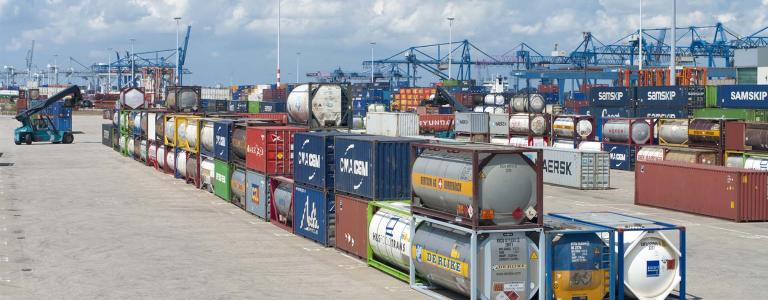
450, 218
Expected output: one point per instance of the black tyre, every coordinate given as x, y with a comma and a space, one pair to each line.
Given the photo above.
68, 138
16, 142
28, 138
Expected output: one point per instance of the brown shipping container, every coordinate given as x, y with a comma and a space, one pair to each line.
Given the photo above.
435, 122
351, 225
728, 193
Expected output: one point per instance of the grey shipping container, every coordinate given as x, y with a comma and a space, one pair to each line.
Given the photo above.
581, 169
471, 122
498, 124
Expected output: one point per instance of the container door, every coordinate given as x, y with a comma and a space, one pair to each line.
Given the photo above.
351, 227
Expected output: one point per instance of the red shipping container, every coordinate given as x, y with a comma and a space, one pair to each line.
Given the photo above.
269, 149
352, 225
282, 118
435, 123
728, 193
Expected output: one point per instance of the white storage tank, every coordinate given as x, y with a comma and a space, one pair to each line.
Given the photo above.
206, 136
161, 156
392, 124
181, 163
388, 235
206, 174
327, 105
620, 130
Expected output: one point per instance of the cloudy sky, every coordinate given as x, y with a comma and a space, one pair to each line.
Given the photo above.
233, 41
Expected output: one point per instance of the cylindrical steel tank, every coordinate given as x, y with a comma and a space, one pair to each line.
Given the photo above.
181, 131
756, 163
703, 131
651, 153
489, 109
283, 197
442, 256
521, 103
131, 147
144, 123
734, 161
619, 131
579, 268
651, 265
152, 152
238, 143
563, 127
181, 163
206, 137
192, 168
525, 124
170, 128
674, 131
388, 234
170, 159
207, 174
507, 187
237, 185
143, 150
191, 134
159, 127
478, 108
326, 104
692, 156
499, 110
499, 99
757, 138
489, 99
161, 156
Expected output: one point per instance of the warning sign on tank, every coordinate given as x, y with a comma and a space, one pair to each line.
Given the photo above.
450, 185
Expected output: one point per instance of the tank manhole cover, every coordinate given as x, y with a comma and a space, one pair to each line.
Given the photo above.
6, 164
1, 154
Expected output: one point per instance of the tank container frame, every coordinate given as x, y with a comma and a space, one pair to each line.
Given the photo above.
274, 182
662, 121
623, 223
373, 207
650, 121
735, 134
346, 104
576, 138
478, 162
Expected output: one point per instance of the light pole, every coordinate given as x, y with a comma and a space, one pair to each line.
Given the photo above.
298, 55
178, 57
55, 69
372, 44
133, 70
672, 62
450, 44
640, 43
278, 43
109, 71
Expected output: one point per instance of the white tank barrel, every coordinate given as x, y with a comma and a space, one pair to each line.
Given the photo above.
525, 124
206, 136
170, 159
152, 152
478, 108
327, 104
170, 129
143, 150
734, 161
282, 196
442, 257
161, 156
500, 99
181, 163
131, 147
388, 238
192, 167
673, 131
489, 99
181, 131
489, 109
207, 173
564, 127
191, 134
444, 181
651, 265
619, 131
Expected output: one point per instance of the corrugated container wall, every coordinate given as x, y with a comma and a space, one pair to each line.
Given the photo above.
743, 96
662, 96
581, 169
314, 214
754, 115
392, 124
374, 167
222, 136
611, 97
352, 225
471, 122
269, 149
729, 193
313, 160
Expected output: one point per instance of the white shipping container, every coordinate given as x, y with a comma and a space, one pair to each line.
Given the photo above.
215, 93
762, 75
499, 124
50, 91
581, 169
471, 122
392, 124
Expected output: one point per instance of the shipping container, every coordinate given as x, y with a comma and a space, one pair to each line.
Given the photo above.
728, 193
257, 194
620, 97
746, 136
581, 169
313, 158
278, 118
271, 107
270, 149
662, 112
222, 136
662, 96
392, 124
254, 106
711, 96
315, 214
107, 130
622, 155
471, 122
373, 167
752, 115
281, 209
742, 96
389, 229
222, 174
238, 106
476, 185
696, 96
351, 225
433, 123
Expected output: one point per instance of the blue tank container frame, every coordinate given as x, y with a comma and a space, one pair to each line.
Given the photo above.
554, 226
434, 291
620, 224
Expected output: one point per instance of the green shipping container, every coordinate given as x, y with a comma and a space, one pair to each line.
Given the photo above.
711, 94
746, 75
753, 115
222, 174
253, 107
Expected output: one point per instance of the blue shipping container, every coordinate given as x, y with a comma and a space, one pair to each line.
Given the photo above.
313, 162
662, 96
611, 97
222, 134
240, 106
662, 112
272, 107
601, 113
622, 156
314, 214
256, 194
742, 96
373, 167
